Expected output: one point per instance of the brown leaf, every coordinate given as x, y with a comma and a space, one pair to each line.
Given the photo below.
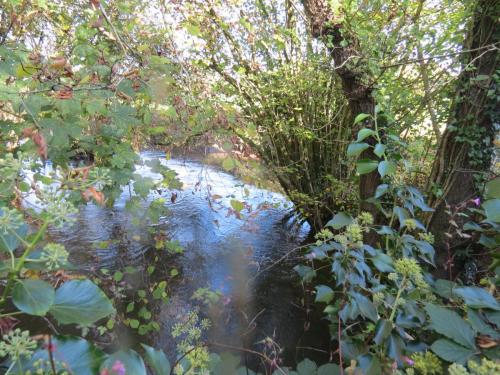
64, 93
39, 140
58, 62
28, 132
486, 342
98, 196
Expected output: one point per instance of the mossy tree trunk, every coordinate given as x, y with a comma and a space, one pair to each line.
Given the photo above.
465, 150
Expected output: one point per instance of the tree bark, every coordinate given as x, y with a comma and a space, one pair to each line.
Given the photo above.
466, 147
354, 79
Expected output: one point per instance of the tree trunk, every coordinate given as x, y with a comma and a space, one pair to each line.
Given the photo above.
323, 25
466, 147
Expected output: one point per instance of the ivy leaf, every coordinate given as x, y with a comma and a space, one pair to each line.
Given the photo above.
80, 302
382, 262
339, 221
382, 331
370, 365
386, 168
451, 352
354, 149
33, 297
477, 298
402, 214
450, 324
366, 307
324, 294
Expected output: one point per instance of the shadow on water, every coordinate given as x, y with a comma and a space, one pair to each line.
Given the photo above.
248, 259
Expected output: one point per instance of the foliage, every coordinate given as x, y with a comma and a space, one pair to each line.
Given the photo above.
382, 303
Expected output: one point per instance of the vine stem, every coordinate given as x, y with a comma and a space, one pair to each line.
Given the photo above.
398, 296
341, 361
13, 274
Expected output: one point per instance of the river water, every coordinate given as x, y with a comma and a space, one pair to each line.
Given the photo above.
244, 258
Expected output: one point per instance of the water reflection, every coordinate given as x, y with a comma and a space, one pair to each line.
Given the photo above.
221, 252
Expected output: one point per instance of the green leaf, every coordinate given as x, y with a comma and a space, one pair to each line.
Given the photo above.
492, 189
361, 117
444, 288
480, 325
132, 362
157, 360
379, 150
33, 297
354, 149
450, 324
451, 352
477, 298
307, 367
492, 209
381, 190
80, 302
386, 168
402, 214
364, 133
382, 262
329, 369
324, 294
382, 331
72, 354
339, 221
228, 164
366, 166
237, 205
370, 365
366, 307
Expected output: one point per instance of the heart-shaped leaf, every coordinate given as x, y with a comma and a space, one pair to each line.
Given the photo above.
80, 302
34, 297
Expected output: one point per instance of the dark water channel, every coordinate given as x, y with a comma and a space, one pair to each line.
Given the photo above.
236, 256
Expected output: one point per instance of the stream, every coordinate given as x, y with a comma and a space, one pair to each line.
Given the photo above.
248, 259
